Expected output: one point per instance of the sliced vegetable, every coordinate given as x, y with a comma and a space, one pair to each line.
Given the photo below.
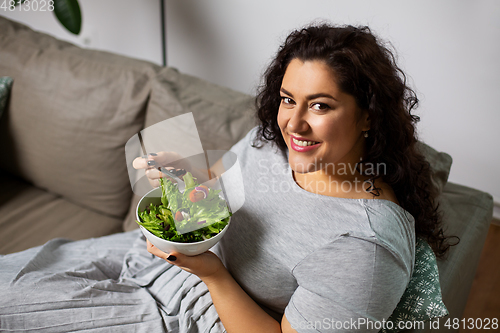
199, 193
178, 216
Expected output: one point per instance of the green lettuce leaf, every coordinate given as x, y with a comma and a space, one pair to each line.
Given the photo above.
159, 220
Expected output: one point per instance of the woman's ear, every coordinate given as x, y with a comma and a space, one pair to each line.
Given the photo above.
365, 120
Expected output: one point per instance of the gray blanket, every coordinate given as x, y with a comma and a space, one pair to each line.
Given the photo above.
108, 284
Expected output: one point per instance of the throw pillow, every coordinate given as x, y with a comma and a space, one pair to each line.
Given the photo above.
78, 109
422, 300
5, 86
440, 164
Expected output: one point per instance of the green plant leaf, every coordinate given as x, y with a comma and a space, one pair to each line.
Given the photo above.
69, 14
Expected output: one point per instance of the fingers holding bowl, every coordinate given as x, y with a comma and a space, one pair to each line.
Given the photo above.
156, 251
203, 265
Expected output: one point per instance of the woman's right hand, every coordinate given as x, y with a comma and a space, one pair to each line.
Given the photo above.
151, 162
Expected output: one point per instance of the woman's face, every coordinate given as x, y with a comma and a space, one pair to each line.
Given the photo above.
321, 125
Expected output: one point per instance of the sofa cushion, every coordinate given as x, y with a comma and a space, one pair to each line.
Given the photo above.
223, 116
422, 300
30, 217
467, 214
70, 114
440, 164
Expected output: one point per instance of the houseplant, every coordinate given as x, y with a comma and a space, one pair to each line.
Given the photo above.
66, 11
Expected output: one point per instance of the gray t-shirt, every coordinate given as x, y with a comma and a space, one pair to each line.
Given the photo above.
322, 261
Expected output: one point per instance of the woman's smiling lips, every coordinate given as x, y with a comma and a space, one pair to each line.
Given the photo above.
302, 145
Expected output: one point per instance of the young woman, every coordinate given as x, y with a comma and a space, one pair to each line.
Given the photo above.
335, 193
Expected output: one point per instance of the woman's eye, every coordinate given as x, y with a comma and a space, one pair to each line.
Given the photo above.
320, 106
286, 100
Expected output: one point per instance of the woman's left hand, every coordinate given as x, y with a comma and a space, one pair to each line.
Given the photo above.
203, 265
237, 310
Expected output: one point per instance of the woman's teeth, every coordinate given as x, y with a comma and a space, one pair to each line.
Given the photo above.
304, 143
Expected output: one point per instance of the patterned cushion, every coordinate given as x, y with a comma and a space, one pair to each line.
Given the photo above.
422, 299
5, 86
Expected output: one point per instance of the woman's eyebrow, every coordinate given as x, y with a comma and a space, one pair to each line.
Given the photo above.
283, 90
313, 96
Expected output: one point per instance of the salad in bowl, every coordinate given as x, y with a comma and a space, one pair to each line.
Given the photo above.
188, 222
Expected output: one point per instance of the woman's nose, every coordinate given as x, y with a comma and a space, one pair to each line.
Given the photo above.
298, 122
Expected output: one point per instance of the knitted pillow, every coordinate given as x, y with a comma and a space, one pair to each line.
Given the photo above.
5, 86
422, 300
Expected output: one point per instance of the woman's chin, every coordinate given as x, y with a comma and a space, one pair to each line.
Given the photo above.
302, 166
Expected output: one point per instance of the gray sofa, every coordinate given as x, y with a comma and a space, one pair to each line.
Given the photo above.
71, 111
62, 136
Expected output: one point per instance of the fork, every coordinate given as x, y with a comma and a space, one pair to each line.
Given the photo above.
180, 184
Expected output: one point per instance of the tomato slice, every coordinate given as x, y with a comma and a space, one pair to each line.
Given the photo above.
199, 193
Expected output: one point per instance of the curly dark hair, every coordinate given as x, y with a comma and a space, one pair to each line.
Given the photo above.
367, 70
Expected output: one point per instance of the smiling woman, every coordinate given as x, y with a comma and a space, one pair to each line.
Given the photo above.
335, 193
347, 174
352, 98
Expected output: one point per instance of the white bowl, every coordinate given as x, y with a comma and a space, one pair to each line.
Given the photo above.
190, 249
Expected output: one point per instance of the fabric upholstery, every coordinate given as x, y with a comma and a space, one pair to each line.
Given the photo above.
223, 116
440, 164
69, 116
30, 216
467, 214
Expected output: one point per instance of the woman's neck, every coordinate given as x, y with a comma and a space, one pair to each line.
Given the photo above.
344, 181
344, 184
